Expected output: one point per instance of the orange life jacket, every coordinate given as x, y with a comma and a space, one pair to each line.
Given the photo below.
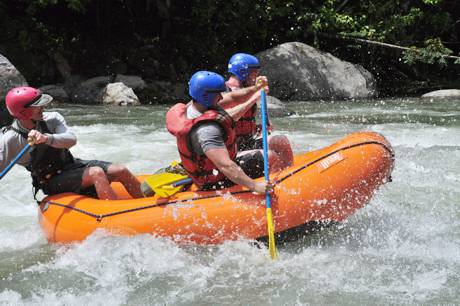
199, 167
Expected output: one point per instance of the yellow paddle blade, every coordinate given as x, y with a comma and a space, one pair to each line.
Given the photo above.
161, 183
271, 235
174, 163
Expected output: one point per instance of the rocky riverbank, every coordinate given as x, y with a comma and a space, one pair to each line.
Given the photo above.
296, 71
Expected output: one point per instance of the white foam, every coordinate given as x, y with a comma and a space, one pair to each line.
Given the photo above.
400, 249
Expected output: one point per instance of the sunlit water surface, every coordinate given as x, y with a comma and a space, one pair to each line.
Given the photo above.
402, 248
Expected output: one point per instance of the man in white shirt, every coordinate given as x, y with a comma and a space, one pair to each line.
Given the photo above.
52, 166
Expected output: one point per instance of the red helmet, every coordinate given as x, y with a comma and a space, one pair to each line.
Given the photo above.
19, 99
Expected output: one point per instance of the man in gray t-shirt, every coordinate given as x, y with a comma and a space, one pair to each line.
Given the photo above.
206, 135
210, 135
208, 139
52, 166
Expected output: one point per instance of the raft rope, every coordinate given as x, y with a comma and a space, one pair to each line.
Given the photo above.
99, 217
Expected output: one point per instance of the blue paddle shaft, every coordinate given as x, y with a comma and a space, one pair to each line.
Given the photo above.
182, 182
263, 108
8, 168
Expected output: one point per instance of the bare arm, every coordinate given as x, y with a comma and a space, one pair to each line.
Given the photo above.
232, 98
239, 110
238, 102
232, 171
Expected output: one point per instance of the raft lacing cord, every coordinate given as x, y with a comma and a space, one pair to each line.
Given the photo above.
99, 217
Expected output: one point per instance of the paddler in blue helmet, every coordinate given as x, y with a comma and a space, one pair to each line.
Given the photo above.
244, 70
206, 137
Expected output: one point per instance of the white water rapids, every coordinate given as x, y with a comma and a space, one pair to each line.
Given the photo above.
402, 248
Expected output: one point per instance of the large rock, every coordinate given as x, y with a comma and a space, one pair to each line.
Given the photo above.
86, 92
275, 107
297, 71
132, 81
10, 77
97, 90
443, 93
57, 92
158, 92
119, 94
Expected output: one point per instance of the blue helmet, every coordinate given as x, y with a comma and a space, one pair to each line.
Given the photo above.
204, 85
240, 65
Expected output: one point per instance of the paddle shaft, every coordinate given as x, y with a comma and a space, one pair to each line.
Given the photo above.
14, 161
182, 182
263, 106
270, 224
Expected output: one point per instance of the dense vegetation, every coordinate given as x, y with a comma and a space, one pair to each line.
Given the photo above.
48, 40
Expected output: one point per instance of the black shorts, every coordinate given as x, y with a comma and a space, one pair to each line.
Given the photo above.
69, 180
246, 143
252, 164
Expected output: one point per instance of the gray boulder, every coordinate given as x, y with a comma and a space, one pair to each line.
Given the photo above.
132, 81
297, 71
119, 94
89, 91
444, 93
57, 92
275, 107
163, 92
10, 77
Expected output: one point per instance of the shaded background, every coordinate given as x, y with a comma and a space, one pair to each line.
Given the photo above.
50, 40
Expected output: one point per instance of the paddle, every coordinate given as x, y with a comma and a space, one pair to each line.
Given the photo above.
165, 184
270, 225
14, 161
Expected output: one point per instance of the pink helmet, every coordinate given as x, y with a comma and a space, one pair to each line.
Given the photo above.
19, 99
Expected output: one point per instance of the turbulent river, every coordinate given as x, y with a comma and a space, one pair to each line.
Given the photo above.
402, 248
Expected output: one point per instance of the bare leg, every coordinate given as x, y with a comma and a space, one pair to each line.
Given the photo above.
119, 173
276, 160
280, 145
273, 161
96, 176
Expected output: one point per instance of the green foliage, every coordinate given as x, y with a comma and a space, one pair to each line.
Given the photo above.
432, 2
166, 39
36, 6
434, 52
215, 35
396, 22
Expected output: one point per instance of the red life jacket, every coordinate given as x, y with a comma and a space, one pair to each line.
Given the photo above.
199, 167
246, 125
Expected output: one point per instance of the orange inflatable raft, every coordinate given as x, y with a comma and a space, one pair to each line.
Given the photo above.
328, 184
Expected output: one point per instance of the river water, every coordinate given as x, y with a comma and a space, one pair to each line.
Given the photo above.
402, 248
